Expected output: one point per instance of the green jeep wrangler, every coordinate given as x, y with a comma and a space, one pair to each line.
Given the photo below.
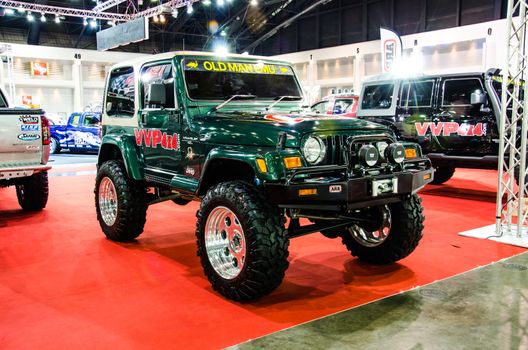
230, 132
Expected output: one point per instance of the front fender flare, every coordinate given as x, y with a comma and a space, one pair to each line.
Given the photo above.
130, 154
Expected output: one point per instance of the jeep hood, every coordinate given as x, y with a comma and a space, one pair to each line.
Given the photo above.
258, 129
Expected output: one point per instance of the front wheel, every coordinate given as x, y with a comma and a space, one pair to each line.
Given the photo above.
396, 234
120, 202
54, 146
32, 192
242, 242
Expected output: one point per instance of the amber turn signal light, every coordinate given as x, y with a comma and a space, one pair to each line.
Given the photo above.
308, 192
410, 153
292, 162
261, 163
427, 176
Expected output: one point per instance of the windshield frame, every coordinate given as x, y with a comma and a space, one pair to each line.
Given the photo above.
242, 60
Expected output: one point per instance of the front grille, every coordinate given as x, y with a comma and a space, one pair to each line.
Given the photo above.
336, 146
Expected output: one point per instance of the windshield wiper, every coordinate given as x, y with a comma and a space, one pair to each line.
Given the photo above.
234, 97
283, 98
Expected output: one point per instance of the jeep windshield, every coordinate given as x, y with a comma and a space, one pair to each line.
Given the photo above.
220, 80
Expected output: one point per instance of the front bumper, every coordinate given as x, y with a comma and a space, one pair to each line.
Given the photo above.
341, 194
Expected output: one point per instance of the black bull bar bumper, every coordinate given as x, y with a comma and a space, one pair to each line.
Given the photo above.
341, 194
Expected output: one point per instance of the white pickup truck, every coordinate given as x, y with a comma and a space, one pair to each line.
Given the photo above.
24, 153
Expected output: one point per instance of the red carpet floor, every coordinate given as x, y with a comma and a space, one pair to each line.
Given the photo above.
63, 285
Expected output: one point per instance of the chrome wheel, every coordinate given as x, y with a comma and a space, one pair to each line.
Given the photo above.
108, 201
225, 242
376, 237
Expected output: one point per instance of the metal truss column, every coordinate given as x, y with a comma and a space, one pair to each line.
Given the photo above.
511, 211
511, 216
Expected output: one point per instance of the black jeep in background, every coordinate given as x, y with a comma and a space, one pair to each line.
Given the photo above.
453, 117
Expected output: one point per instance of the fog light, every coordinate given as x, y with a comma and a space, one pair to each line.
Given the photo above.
395, 153
368, 155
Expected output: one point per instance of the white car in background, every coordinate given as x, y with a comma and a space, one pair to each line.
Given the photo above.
24, 153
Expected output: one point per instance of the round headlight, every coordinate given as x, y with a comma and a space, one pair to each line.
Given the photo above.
395, 153
368, 155
381, 148
314, 150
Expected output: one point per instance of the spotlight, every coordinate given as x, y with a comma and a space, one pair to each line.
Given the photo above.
30, 17
189, 8
162, 19
174, 13
21, 9
111, 23
223, 33
206, 2
254, 2
9, 11
221, 50
155, 19
85, 22
93, 23
42, 17
57, 19
220, 2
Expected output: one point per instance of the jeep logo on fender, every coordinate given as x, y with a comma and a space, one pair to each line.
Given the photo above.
449, 128
154, 138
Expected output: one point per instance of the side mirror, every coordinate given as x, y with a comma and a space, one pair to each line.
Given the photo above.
478, 98
156, 94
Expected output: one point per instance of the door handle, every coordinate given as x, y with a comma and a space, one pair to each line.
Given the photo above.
144, 118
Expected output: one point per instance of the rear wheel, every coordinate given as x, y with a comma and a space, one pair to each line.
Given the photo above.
442, 174
121, 203
242, 242
32, 192
395, 235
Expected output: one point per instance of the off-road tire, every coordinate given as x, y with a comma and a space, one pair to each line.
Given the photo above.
442, 174
405, 234
32, 192
54, 146
132, 203
265, 236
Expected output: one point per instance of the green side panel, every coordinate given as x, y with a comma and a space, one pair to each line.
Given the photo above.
131, 157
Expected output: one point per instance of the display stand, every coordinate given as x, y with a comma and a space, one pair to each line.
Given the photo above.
511, 219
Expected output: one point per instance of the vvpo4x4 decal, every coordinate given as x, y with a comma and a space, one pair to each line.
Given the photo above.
154, 138
450, 128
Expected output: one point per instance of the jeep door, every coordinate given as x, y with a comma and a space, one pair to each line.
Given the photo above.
457, 125
415, 108
159, 119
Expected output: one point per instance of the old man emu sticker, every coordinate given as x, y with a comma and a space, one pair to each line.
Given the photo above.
236, 67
